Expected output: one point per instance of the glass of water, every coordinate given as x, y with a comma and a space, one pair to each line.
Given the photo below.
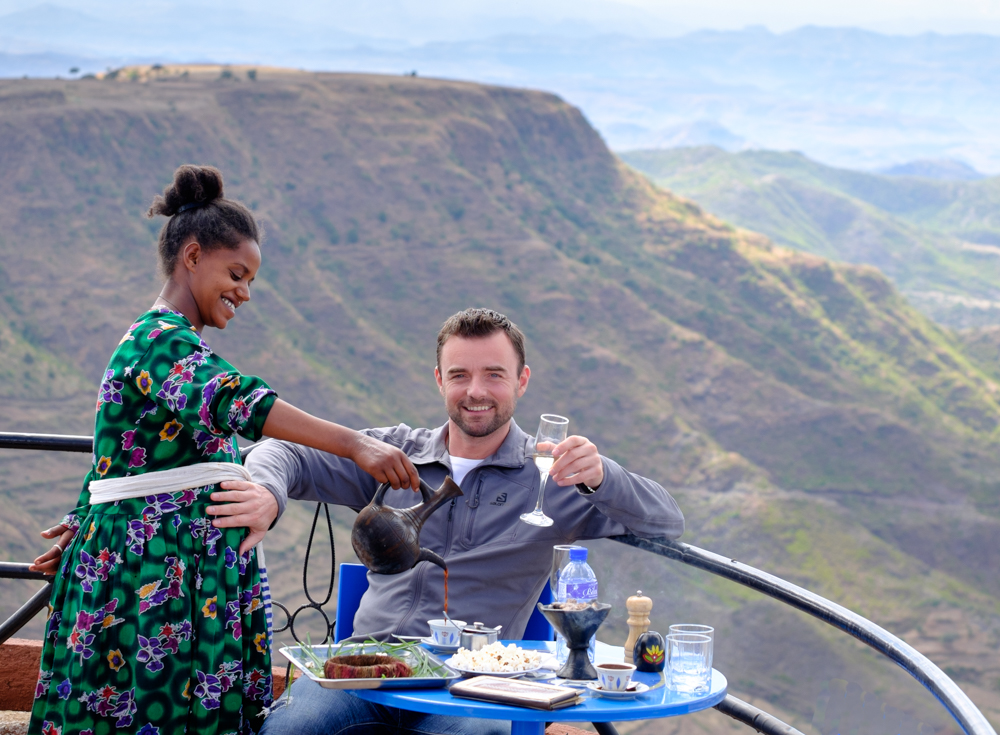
689, 662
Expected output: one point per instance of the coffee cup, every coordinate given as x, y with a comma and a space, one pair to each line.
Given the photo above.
614, 677
446, 632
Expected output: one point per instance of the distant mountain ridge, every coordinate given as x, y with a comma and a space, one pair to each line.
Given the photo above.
936, 239
807, 418
941, 169
846, 96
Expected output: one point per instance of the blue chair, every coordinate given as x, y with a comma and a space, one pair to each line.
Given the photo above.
354, 582
352, 586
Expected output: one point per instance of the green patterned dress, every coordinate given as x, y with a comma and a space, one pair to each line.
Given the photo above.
157, 625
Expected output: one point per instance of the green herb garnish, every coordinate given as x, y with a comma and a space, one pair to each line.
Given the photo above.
410, 653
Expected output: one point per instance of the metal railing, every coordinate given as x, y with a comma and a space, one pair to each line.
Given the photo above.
957, 703
910, 659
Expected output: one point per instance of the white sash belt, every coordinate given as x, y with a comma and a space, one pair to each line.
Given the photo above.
165, 481
175, 480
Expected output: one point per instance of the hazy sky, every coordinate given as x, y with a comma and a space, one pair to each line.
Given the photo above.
778, 15
455, 18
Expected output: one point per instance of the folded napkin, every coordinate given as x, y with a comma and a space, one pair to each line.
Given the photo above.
549, 662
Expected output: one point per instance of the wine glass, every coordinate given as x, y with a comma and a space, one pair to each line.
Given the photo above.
551, 431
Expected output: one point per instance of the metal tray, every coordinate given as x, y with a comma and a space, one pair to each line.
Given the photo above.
325, 651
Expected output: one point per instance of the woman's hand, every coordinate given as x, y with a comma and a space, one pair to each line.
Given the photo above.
48, 563
385, 463
247, 505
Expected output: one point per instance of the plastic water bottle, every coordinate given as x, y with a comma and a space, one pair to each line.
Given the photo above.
578, 582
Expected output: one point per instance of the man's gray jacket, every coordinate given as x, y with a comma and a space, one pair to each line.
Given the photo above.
497, 565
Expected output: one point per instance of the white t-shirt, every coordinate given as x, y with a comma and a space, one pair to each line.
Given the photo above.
460, 467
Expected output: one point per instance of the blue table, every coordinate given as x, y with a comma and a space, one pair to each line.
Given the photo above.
656, 703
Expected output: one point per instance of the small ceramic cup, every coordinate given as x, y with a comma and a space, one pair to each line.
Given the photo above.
446, 633
614, 677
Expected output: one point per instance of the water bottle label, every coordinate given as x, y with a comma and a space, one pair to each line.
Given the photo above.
582, 590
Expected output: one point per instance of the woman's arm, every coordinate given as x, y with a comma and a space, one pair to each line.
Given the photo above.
382, 461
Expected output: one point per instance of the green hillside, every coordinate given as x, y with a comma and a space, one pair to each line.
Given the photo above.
937, 240
809, 420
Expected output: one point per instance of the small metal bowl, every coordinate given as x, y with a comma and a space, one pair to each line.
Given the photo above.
477, 636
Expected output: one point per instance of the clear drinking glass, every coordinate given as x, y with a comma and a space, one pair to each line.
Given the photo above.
689, 662
560, 558
551, 431
693, 628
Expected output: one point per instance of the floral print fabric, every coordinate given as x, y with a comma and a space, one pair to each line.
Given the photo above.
157, 624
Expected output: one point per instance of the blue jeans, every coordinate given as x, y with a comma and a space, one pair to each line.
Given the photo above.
317, 711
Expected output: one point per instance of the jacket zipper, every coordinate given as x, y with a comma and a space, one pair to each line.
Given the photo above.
451, 516
473, 505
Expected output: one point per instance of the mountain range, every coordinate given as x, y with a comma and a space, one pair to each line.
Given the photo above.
845, 96
809, 420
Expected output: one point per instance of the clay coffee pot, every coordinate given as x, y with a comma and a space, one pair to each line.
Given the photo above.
387, 540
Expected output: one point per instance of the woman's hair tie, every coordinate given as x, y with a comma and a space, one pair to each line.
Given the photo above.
190, 205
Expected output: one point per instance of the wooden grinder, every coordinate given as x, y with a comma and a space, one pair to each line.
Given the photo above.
638, 608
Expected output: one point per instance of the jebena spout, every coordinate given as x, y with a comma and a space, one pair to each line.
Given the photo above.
428, 555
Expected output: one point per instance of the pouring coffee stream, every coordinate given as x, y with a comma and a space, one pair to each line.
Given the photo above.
387, 539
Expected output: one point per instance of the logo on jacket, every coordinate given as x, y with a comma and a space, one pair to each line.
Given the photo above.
501, 499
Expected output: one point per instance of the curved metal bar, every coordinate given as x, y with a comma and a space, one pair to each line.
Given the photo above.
52, 442
26, 612
288, 618
910, 659
758, 719
333, 564
60, 442
16, 570
313, 604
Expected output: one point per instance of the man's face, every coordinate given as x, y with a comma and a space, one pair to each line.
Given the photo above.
479, 381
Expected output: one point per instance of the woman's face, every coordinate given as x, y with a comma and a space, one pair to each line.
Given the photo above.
220, 279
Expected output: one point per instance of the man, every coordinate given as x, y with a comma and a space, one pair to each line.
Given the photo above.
497, 565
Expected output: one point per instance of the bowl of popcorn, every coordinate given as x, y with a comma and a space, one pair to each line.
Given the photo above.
496, 659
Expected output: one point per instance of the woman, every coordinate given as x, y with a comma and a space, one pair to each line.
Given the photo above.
158, 618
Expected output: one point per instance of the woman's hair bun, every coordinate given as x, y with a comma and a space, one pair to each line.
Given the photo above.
224, 223
191, 185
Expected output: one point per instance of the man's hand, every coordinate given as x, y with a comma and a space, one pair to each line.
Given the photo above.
577, 462
385, 463
248, 505
48, 563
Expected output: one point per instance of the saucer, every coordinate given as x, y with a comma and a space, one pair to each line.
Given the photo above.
436, 647
627, 694
428, 642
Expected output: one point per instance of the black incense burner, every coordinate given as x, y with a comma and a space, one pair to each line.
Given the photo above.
577, 627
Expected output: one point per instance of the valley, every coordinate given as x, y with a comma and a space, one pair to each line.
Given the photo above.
809, 420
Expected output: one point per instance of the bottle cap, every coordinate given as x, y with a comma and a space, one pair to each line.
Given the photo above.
578, 555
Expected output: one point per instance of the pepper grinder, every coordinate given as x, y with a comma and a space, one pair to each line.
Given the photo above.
638, 607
